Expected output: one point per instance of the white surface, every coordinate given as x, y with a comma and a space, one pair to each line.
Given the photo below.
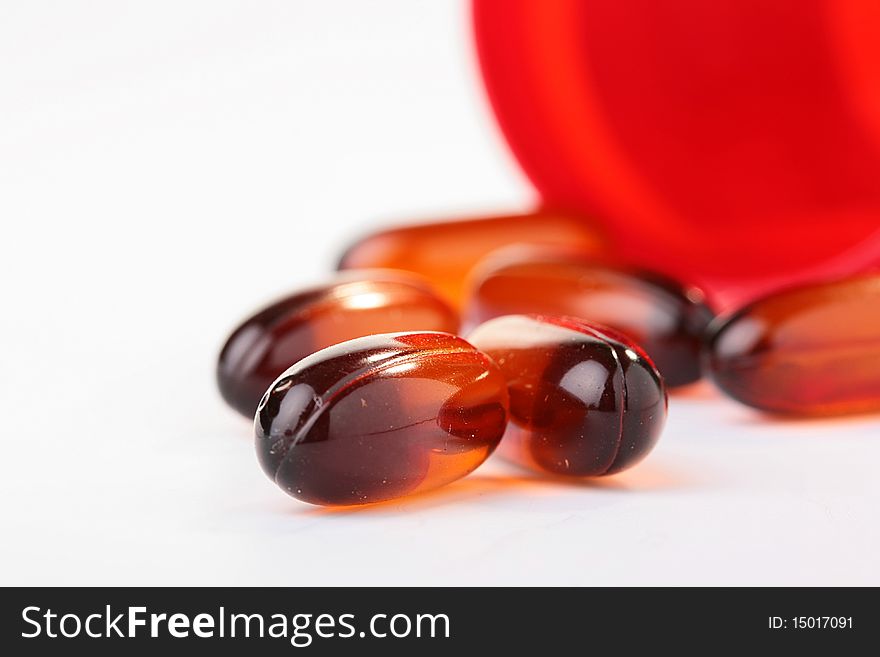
167, 166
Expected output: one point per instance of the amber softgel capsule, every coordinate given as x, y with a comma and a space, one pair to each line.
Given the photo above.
667, 319
380, 417
445, 252
584, 400
811, 350
350, 305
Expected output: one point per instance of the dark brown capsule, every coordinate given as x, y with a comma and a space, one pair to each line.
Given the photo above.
584, 400
380, 417
665, 318
812, 350
352, 305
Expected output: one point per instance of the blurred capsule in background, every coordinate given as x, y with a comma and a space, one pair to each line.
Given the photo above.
584, 401
380, 417
667, 319
810, 350
445, 252
350, 305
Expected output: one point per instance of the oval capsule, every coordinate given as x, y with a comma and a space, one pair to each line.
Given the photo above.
352, 305
445, 252
665, 318
380, 417
810, 350
584, 400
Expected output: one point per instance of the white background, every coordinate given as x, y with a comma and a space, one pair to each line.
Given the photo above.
165, 167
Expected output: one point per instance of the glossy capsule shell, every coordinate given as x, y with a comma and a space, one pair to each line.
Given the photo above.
811, 350
667, 319
380, 417
584, 400
445, 252
351, 305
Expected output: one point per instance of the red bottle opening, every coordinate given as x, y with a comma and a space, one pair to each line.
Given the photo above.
734, 144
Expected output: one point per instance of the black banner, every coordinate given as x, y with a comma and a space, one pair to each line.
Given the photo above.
431, 621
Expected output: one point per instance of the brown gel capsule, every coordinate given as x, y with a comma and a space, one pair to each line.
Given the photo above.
812, 350
584, 401
668, 320
379, 417
445, 252
352, 305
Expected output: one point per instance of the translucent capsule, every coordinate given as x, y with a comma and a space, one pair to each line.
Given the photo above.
445, 252
380, 417
352, 305
812, 350
665, 318
584, 400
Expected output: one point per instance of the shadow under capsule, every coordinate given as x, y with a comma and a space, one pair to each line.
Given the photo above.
643, 479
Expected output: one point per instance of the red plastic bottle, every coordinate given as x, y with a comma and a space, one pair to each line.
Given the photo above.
734, 144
